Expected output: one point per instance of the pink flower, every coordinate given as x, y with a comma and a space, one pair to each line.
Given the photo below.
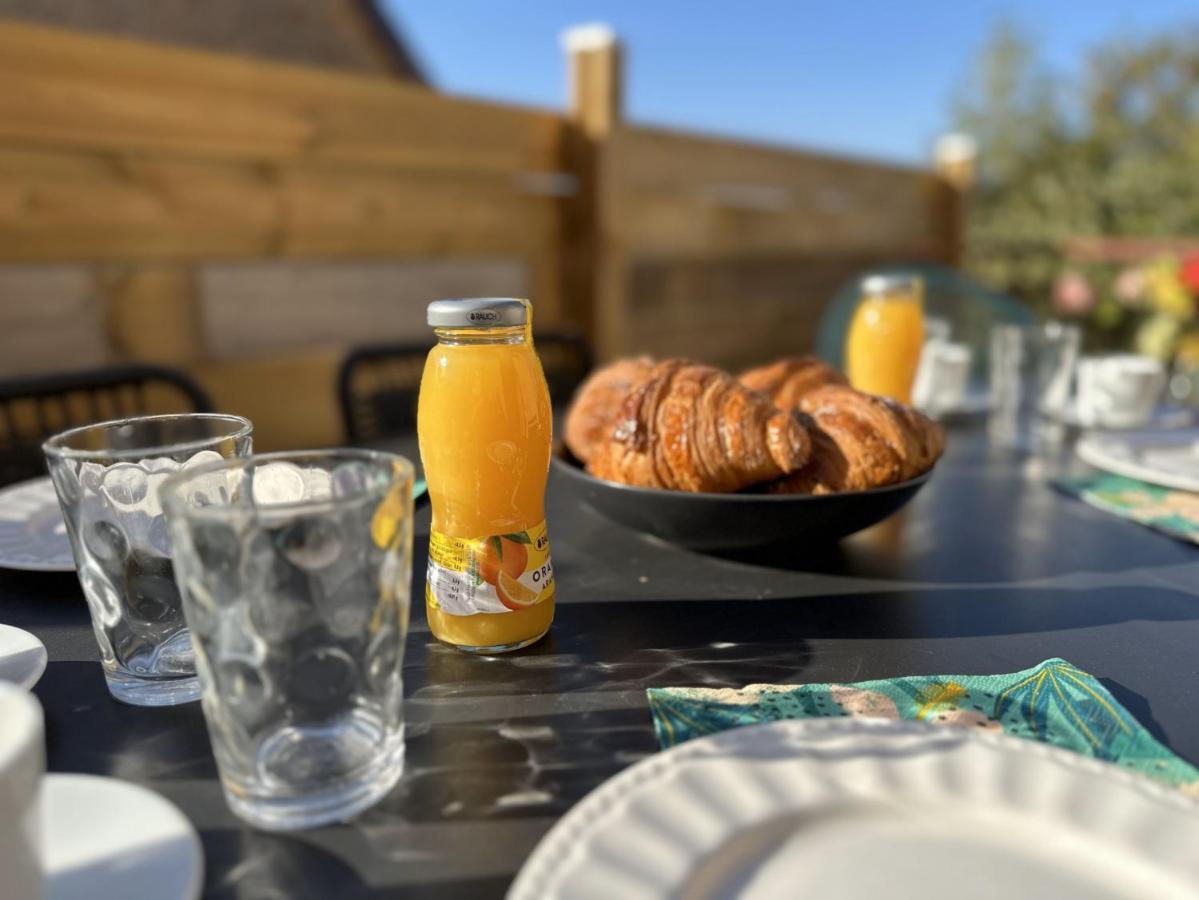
1072, 294
1189, 272
1130, 286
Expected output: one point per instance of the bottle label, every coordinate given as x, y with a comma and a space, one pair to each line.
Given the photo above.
496, 574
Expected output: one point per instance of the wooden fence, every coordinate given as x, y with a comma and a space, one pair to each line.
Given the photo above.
114, 150
728, 252
162, 174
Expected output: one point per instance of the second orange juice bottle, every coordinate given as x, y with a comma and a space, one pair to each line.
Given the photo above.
886, 336
485, 431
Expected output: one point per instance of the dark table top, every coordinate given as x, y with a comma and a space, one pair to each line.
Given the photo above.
988, 570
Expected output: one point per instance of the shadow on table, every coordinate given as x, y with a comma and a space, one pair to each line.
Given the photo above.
614, 646
952, 611
982, 529
39, 597
1138, 706
824, 559
130, 742
250, 865
627, 647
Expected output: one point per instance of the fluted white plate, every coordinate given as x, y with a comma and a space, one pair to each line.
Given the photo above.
32, 532
1169, 459
106, 838
863, 808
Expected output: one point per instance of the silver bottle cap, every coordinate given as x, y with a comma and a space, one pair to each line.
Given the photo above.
892, 283
476, 312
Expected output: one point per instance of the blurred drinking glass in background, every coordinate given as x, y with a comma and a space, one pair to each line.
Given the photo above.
886, 336
295, 570
942, 379
1032, 368
944, 371
1184, 383
107, 478
937, 330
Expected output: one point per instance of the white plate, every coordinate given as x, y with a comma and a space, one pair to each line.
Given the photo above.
32, 532
860, 808
108, 838
22, 656
1169, 459
1164, 418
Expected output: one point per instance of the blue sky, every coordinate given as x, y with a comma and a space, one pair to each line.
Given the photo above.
870, 78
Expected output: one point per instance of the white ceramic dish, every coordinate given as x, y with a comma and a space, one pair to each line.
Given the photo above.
854, 808
22, 762
977, 402
1164, 418
1119, 390
33, 535
22, 656
108, 838
1169, 459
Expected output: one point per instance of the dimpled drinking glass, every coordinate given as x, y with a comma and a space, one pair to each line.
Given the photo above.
295, 573
107, 477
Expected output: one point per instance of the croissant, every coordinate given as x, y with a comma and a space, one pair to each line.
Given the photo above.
827, 470
860, 441
691, 427
788, 380
596, 403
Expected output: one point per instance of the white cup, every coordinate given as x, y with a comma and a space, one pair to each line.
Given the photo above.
1120, 391
22, 763
941, 378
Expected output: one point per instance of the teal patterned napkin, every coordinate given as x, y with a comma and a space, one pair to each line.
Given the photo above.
1053, 702
1174, 512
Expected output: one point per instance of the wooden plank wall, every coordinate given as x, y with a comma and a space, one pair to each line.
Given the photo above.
142, 167
114, 150
150, 164
728, 251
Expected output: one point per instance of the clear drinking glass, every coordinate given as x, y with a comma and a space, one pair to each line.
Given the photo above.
1032, 367
295, 573
107, 477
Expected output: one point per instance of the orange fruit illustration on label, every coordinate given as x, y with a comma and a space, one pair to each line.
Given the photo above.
513, 594
502, 555
388, 518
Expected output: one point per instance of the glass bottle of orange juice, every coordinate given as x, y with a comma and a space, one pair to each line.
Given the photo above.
882, 349
485, 430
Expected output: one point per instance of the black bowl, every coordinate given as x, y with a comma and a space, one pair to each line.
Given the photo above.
734, 521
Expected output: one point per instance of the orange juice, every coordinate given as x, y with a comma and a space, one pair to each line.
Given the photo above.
886, 336
485, 432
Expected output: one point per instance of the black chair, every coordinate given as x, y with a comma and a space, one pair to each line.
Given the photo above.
377, 388
378, 385
35, 407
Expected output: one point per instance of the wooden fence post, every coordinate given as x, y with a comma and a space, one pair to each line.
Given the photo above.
154, 314
596, 76
955, 158
593, 244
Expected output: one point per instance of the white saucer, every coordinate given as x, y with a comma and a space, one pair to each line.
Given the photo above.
1169, 459
33, 534
1164, 418
107, 838
22, 656
846, 808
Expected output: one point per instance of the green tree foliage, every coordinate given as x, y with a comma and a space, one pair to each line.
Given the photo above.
1112, 151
